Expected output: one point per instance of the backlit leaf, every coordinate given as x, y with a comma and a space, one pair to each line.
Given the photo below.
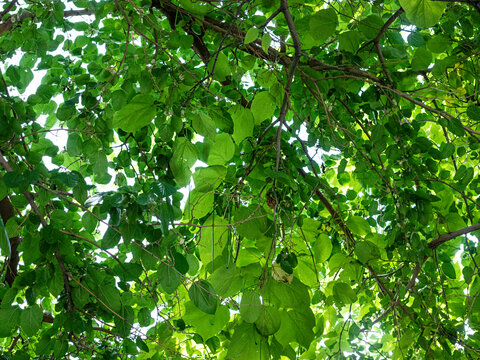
203, 296
138, 113
423, 13
251, 35
31, 319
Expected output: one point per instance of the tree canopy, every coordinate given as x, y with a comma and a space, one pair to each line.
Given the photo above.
255, 179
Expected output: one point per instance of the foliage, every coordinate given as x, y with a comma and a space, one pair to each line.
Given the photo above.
240, 179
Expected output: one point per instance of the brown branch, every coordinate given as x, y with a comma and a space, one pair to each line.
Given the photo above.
286, 95
8, 8
335, 216
382, 62
66, 282
387, 24
385, 291
6, 213
255, 47
465, 196
451, 235
83, 12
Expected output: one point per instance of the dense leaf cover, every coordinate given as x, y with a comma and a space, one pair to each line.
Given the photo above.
256, 179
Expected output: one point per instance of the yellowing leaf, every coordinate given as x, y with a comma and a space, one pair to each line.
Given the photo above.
281, 275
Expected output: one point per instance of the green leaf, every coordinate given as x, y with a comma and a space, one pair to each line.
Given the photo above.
266, 41
251, 35
287, 295
13, 179
205, 324
243, 122
203, 296
353, 331
74, 144
269, 321
31, 320
366, 251
169, 277
222, 150
322, 248
358, 225
251, 222
60, 348
180, 263
141, 344
423, 13
263, 107
110, 296
246, 344
139, 112
110, 239
212, 239
198, 204
343, 294
349, 41
226, 280
9, 319
55, 282
323, 24
65, 112
100, 167
118, 99
163, 190
250, 306
146, 198
184, 156
467, 272
204, 125
370, 26
473, 112
5, 249
222, 67
449, 270
438, 44
80, 297
209, 178
296, 325
422, 59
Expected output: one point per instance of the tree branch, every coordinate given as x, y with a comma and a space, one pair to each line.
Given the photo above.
451, 235
335, 216
8, 8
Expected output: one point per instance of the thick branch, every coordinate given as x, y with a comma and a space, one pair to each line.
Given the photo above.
291, 72
387, 24
255, 47
451, 235
7, 212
